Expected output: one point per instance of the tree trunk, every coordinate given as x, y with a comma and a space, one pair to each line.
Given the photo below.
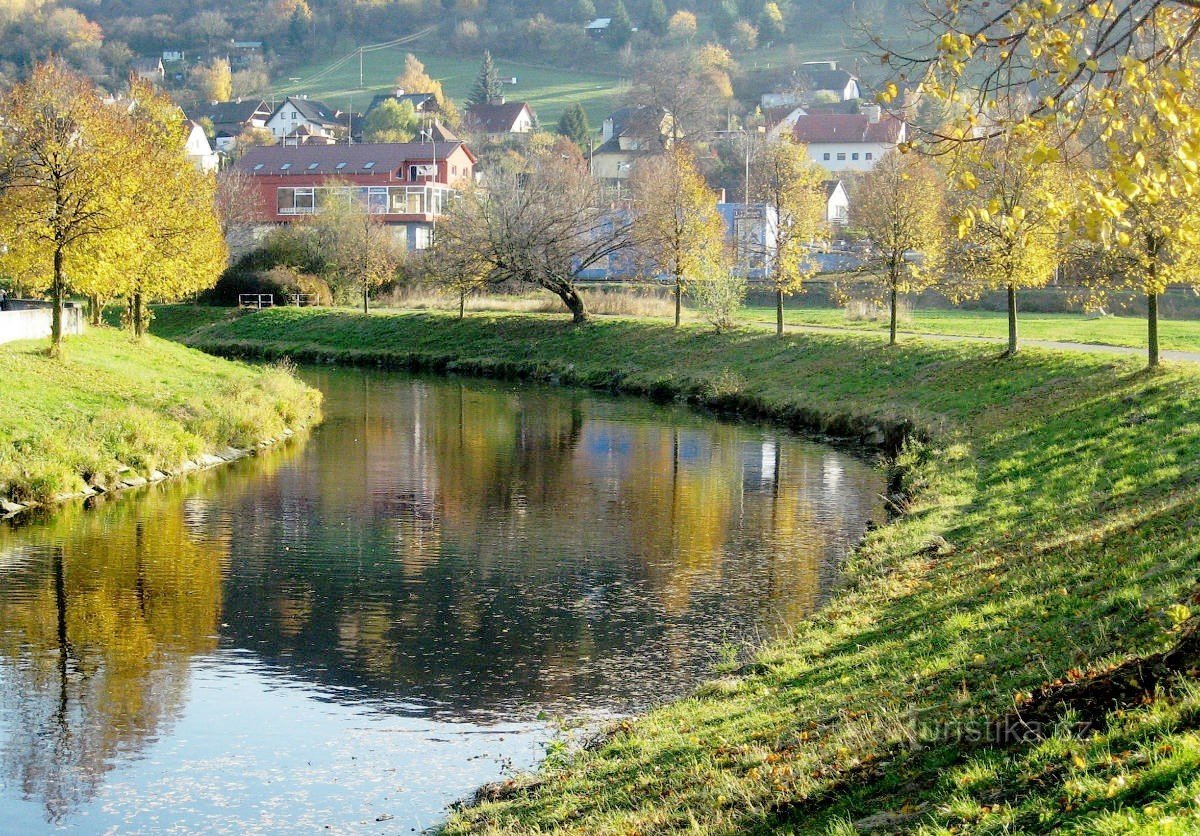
365, 298
1152, 329
574, 302
56, 313
462, 306
778, 311
139, 315
1012, 321
892, 315
678, 299
95, 310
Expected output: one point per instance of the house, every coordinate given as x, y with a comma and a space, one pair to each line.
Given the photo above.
244, 53
421, 102
172, 56
149, 69
408, 184
316, 118
497, 119
752, 231
598, 28
779, 121
837, 203
628, 135
197, 148
230, 120
849, 142
825, 77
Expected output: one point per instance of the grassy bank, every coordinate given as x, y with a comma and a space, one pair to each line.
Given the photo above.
114, 406
1067, 490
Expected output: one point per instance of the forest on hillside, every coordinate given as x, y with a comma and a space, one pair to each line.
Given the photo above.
102, 38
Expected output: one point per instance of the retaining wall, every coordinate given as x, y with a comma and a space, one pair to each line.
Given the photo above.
29, 320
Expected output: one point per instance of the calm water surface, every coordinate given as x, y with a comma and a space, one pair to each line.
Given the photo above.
358, 629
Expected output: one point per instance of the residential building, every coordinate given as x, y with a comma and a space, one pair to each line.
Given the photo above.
598, 28
198, 149
230, 120
498, 119
297, 118
849, 142
628, 135
149, 69
825, 77
837, 203
752, 231
408, 184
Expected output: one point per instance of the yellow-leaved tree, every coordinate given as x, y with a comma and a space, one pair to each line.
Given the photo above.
414, 78
1009, 203
793, 189
64, 189
899, 206
175, 243
677, 230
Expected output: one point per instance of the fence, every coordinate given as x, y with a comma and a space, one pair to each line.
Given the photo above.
257, 301
26, 319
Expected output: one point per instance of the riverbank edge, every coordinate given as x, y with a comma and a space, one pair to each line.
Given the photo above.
710, 761
10, 508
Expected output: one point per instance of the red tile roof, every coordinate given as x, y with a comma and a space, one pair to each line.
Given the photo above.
840, 127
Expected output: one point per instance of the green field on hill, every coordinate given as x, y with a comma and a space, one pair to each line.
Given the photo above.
548, 91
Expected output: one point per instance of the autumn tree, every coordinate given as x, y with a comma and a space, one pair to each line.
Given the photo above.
692, 86
451, 267
792, 187
352, 248
677, 230
391, 121
177, 245
682, 26
416, 79
542, 225
213, 82
1008, 203
65, 178
898, 206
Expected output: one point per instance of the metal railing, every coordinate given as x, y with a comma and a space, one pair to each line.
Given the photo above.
256, 301
304, 300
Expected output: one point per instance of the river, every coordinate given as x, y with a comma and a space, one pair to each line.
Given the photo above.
355, 630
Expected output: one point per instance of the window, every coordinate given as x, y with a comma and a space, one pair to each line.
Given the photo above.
825, 156
285, 166
340, 166
258, 167
295, 115
421, 238
368, 166
313, 166
854, 156
870, 156
841, 155
298, 201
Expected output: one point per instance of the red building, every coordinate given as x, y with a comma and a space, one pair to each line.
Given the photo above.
407, 183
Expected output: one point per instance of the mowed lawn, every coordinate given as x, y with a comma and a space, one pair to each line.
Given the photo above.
549, 91
1179, 335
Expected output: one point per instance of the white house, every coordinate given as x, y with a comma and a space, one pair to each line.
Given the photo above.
837, 203
630, 134
849, 142
498, 118
198, 150
825, 77
315, 118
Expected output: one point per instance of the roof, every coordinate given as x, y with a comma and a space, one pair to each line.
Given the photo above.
227, 113
827, 79
600, 23
367, 158
497, 118
417, 100
638, 120
147, 65
312, 110
831, 187
840, 127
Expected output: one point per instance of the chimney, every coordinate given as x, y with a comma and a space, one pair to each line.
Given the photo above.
873, 112
498, 100
399, 92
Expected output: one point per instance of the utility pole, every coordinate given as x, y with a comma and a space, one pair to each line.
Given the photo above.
360, 68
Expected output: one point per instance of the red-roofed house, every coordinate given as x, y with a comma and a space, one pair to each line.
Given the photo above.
497, 119
409, 184
849, 142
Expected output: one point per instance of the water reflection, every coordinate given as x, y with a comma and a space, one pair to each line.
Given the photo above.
442, 558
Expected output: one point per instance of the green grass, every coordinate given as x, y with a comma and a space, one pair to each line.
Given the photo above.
1067, 487
1066, 327
114, 404
548, 91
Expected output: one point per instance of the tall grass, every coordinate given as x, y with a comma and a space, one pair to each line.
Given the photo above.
621, 301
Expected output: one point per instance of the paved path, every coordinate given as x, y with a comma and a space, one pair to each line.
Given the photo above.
1053, 345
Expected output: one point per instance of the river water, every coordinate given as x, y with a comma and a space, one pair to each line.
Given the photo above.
355, 630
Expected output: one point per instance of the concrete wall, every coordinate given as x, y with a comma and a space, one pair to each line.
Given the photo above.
25, 320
